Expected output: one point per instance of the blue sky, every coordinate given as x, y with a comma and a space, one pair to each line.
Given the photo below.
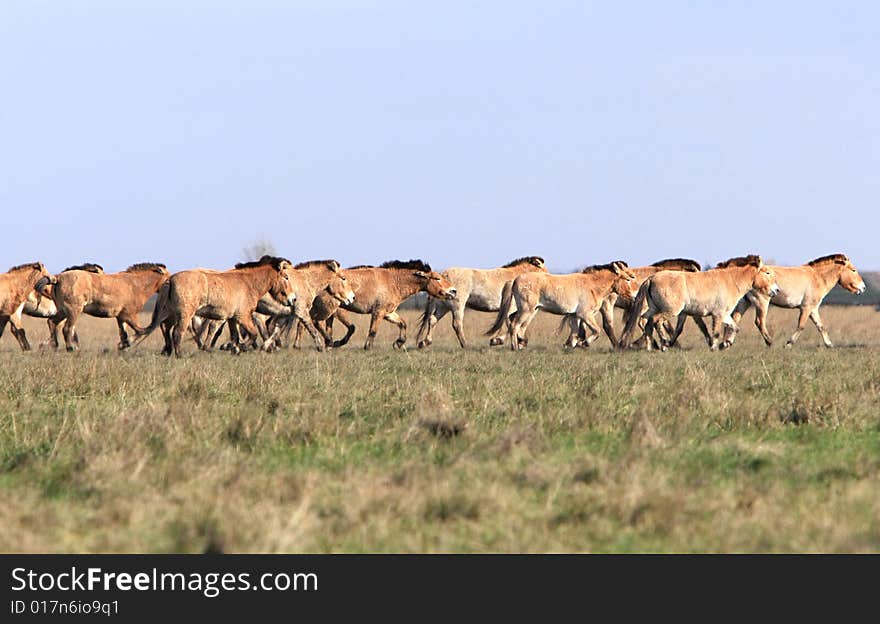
462, 133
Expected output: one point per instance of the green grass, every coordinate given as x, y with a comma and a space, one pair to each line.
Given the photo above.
482, 450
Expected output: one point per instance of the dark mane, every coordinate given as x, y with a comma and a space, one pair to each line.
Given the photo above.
36, 266
273, 260
91, 267
415, 265
147, 266
842, 258
362, 266
683, 264
741, 261
330, 264
536, 260
604, 267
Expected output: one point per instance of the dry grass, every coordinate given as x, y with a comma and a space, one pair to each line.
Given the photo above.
444, 450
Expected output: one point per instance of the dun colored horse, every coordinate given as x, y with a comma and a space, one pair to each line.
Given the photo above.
477, 289
577, 296
803, 287
625, 303
16, 286
219, 295
308, 280
670, 294
378, 292
105, 295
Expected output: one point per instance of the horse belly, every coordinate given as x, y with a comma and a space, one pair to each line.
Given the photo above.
212, 312
97, 309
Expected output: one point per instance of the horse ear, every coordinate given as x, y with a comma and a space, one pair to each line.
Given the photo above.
334, 266
284, 264
615, 266
420, 274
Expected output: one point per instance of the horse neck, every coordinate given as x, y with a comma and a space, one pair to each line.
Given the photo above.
316, 279
743, 278
828, 274
603, 282
23, 282
407, 284
260, 278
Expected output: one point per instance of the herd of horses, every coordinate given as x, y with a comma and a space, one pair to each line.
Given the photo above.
262, 302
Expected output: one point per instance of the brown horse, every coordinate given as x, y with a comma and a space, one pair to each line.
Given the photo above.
478, 289
105, 295
803, 287
219, 295
40, 303
576, 296
378, 292
670, 294
16, 285
308, 279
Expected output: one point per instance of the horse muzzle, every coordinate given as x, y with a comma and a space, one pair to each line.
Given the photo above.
774, 290
349, 299
861, 289
450, 294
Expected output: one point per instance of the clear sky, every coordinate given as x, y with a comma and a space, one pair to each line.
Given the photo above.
464, 133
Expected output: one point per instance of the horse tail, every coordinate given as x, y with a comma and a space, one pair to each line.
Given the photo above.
160, 312
634, 314
503, 309
425, 318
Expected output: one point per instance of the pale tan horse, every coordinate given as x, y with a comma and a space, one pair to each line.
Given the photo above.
16, 285
803, 287
40, 303
625, 303
477, 289
577, 296
105, 295
668, 295
219, 295
308, 280
378, 292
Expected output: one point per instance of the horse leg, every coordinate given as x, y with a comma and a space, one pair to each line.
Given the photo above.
394, 317
305, 319
589, 323
350, 328
52, 323
71, 315
519, 327
817, 321
431, 317
166, 328
761, 321
123, 335
576, 334
458, 325
297, 337
802, 323
179, 326
608, 321
375, 317
18, 330
211, 332
127, 318
704, 329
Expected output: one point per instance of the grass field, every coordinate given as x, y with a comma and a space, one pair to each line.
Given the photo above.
482, 450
